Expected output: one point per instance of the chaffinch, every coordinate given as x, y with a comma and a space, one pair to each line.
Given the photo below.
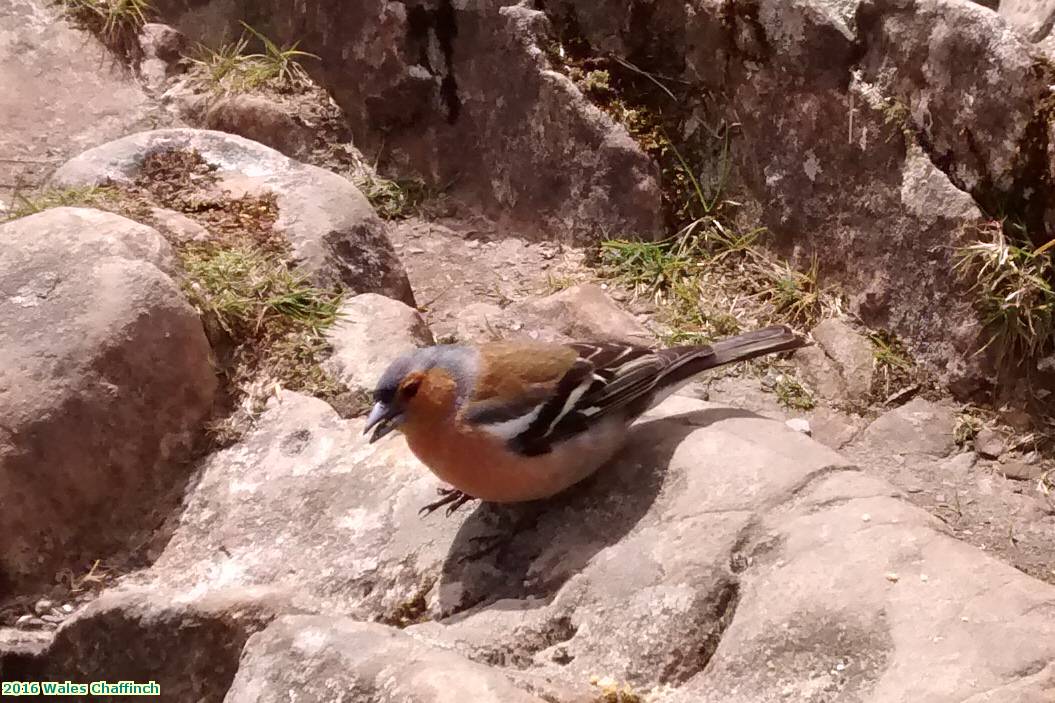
518, 421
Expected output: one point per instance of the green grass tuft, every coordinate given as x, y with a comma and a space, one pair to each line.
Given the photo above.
32, 203
254, 295
792, 394
795, 295
230, 68
1014, 286
393, 199
968, 424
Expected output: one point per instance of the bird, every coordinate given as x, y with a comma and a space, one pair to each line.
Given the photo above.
517, 421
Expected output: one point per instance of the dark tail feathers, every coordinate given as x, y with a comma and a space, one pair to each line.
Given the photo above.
695, 359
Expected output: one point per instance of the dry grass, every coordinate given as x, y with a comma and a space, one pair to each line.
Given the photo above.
1014, 285
711, 282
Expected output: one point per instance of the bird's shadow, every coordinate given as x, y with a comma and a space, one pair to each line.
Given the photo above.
529, 550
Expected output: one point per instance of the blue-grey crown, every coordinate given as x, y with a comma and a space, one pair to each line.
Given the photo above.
459, 361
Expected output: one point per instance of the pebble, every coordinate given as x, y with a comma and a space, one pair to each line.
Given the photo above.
1020, 470
892, 577
43, 605
67, 608
990, 443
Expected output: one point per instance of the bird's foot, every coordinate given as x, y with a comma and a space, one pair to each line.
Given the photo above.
451, 497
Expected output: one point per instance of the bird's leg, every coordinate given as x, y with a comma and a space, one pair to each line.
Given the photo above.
451, 497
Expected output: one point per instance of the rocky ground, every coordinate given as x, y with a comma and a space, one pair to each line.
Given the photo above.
205, 273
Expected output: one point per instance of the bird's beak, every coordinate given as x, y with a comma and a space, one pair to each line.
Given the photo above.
385, 419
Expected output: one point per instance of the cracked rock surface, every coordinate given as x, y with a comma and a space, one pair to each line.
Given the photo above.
724, 557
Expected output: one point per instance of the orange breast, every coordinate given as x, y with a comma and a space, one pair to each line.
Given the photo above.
480, 465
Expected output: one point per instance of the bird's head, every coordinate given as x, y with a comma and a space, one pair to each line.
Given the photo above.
424, 382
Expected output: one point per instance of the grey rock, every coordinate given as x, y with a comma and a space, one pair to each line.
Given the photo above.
1032, 18
96, 343
160, 41
960, 465
177, 227
833, 428
917, 427
1020, 470
189, 644
821, 373
335, 235
990, 443
261, 119
325, 658
582, 312
530, 148
852, 354
62, 93
371, 331
717, 542
791, 647
18, 643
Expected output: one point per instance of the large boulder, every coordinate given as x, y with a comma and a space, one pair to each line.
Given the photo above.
863, 139
105, 384
320, 657
719, 542
335, 235
419, 86
62, 93
188, 644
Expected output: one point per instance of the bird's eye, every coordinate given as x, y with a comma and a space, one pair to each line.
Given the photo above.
410, 388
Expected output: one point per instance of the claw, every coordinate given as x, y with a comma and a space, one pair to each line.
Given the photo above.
451, 497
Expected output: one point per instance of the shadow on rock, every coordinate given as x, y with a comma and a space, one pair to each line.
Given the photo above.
529, 550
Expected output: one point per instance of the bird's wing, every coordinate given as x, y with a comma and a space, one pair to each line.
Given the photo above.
601, 378
615, 378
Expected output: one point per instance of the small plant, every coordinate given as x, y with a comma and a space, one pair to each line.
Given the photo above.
229, 67
652, 267
115, 22
556, 283
792, 394
888, 352
222, 66
897, 114
794, 295
598, 84
393, 199
1015, 289
273, 317
611, 691
278, 64
968, 424
89, 196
